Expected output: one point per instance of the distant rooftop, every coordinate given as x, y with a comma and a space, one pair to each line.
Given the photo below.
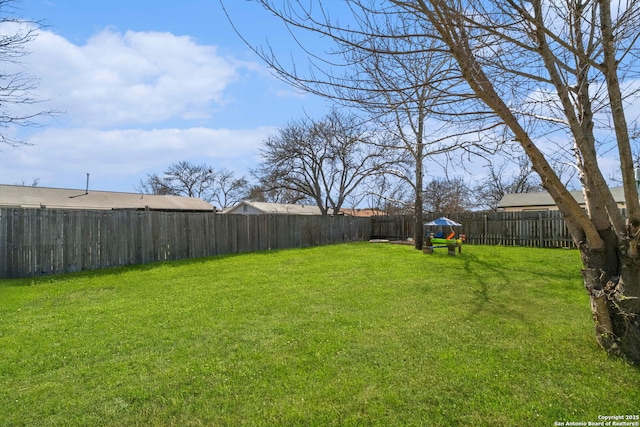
247, 207
362, 212
542, 199
15, 196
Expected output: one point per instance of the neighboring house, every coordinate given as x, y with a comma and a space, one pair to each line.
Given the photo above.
542, 201
362, 212
247, 207
15, 196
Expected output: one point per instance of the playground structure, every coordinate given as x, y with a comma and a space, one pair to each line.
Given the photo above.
438, 240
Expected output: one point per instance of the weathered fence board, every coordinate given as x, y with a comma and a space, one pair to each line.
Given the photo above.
37, 242
540, 228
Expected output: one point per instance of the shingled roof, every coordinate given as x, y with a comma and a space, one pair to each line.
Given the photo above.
543, 200
247, 207
15, 196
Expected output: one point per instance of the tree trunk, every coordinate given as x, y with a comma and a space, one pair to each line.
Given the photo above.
613, 284
419, 225
418, 209
610, 252
419, 159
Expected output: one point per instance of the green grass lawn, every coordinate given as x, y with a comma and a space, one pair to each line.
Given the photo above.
353, 334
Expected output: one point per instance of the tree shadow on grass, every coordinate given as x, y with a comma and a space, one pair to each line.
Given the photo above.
487, 275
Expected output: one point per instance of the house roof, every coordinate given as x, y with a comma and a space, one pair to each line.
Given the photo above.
63, 198
544, 199
362, 212
276, 208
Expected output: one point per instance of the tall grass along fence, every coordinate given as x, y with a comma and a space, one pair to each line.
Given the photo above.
38, 242
544, 229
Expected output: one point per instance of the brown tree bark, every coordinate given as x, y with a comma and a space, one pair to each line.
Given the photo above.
609, 253
507, 52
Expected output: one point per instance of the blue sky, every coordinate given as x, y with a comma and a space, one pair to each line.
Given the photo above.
142, 84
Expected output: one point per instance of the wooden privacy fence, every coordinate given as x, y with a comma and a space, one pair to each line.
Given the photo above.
37, 242
545, 229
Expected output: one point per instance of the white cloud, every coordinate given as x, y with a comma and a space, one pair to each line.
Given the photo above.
135, 78
133, 103
120, 158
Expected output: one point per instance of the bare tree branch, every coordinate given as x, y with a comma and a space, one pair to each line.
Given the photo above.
18, 106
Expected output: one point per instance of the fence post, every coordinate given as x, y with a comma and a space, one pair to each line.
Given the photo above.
540, 230
486, 229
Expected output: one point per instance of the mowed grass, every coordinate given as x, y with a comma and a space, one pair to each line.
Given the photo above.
353, 334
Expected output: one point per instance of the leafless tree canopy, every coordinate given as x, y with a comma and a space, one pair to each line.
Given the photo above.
500, 181
325, 160
448, 196
402, 80
267, 190
18, 106
220, 187
558, 79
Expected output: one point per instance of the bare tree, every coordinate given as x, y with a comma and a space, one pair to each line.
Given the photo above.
34, 183
18, 106
155, 184
551, 76
402, 83
188, 179
180, 179
202, 181
267, 190
500, 181
326, 160
574, 58
402, 93
448, 196
391, 195
227, 189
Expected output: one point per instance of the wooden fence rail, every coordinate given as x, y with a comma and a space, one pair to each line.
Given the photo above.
38, 242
